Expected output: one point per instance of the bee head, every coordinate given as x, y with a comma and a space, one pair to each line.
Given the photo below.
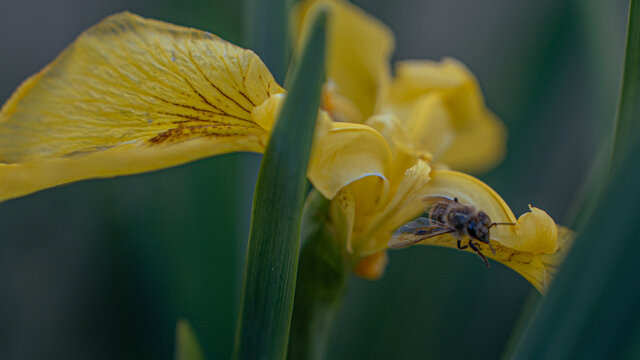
479, 228
481, 225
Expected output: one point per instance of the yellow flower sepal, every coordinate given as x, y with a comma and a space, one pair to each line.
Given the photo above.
132, 95
534, 246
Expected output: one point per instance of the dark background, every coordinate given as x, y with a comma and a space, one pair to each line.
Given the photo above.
102, 269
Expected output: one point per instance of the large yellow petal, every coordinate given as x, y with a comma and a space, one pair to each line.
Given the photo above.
131, 95
347, 153
359, 49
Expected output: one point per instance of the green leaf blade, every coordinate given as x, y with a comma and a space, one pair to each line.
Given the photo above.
628, 118
591, 309
272, 254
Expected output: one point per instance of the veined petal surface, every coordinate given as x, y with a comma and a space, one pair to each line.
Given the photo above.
131, 95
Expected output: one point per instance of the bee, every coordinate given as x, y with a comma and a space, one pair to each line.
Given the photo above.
447, 216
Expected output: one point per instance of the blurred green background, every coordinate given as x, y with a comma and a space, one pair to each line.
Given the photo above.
102, 269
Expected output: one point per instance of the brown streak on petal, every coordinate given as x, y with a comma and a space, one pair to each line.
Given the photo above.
185, 133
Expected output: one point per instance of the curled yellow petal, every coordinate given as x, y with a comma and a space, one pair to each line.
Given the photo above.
536, 232
358, 53
131, 95
347, 153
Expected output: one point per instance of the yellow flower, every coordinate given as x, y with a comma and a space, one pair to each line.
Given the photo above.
429, 117
132, 95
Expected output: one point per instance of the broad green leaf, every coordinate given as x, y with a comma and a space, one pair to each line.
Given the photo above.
272, 254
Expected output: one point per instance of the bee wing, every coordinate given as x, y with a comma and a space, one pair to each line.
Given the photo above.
416, 231
430, 201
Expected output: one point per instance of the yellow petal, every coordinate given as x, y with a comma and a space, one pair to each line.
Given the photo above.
449, 78
342, 214
425, 125
478, 146
535, 233
347, 153
404, 148
478, 139
533, 247
359, 49
538, 269
470, 191
372, 267
404, 205
131, 95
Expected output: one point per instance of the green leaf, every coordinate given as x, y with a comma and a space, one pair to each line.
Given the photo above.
272, 254
628, 119
591, 310
267, 33
187, 345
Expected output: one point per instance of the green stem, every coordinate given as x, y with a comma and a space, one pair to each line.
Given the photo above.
322, 280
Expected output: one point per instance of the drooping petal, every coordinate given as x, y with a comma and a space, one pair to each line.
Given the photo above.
533, 247
533, 232
131, 95
347, 153
359, 49
476, 137
538, 269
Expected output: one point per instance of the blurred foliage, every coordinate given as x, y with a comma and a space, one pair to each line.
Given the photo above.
187, 344
103, 269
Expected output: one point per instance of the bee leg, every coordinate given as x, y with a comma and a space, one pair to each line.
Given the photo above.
475, 248
460, 245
